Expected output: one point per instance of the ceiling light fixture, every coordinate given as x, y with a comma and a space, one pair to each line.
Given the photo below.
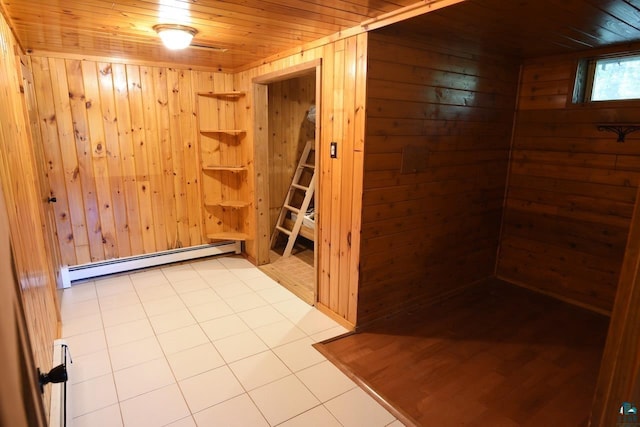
175, 36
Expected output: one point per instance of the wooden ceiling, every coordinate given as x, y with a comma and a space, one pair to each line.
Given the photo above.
529, 28
251, 30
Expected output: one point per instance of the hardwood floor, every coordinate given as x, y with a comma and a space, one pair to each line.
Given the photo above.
496, 355
295, 272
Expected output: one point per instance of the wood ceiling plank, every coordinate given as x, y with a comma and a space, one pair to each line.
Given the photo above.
622, 10
254, 31
132, 19
525, 29
221, 37
537, 21
239, 12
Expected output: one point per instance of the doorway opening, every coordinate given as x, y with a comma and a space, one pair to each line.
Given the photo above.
286, 137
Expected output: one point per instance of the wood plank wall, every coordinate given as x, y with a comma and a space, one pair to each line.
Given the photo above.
341, 115
120, 142
289, 130
571, 189
25, 209
40, 159
619, 377
430, 233
22, 403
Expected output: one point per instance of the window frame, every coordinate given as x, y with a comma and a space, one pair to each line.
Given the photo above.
585, 78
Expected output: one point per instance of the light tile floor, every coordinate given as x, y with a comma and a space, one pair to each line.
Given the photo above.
207, 343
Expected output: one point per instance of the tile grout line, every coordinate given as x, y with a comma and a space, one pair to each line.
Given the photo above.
235, 312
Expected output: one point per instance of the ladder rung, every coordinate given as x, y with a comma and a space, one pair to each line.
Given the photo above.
284, 230
305, 162
291, 208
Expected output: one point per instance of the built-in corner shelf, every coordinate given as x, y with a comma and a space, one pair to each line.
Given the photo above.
229, 94
233, 204
234, 169
622, 129
229, 131
223, 186
227, 235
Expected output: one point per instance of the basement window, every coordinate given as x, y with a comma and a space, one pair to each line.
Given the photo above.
608, 79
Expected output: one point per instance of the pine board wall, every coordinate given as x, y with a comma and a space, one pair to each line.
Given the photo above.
26, 212
339, 192
120, 144
430, 233
571, 190
121, 150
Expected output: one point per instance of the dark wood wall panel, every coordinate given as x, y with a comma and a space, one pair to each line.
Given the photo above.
571, 190
430, 233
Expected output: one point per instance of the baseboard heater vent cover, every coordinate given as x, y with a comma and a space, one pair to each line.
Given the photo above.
101, 268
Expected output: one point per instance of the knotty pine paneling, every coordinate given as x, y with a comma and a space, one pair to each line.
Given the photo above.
289, 130
253, 31
40, 159
249, 31
430, 233
571, 189
121, 150
23, 408
339, 181
25, 206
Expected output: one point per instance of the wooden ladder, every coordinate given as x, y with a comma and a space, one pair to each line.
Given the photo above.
303, 164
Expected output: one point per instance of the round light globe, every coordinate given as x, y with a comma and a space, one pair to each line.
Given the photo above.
175, 37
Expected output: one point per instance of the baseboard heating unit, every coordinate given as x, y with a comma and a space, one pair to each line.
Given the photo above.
95, 269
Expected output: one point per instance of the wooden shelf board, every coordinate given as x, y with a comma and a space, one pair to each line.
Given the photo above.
221, 94
232, 131
227, 235
225, 168
229, 204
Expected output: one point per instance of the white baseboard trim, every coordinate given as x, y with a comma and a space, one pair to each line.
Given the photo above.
69, 274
